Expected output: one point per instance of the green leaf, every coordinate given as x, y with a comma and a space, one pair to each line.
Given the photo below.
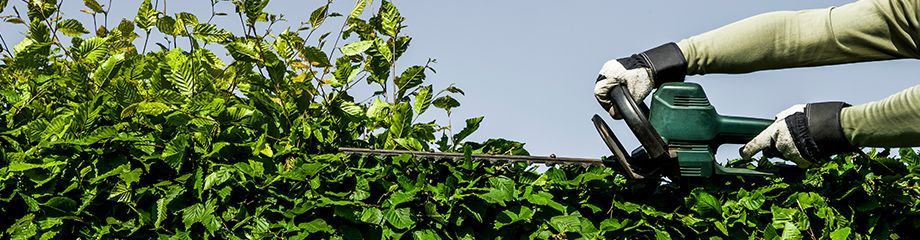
356, 48
151, 108
161, 213
391, 20
372, 215
315, 56
3, 4
565, 223
168, 25
400, 218
377, 110
352, 109
426, 234
72, 27
790, 232
662, 235
502, 191
108, 69
412, 77
174, 153
22, 166
146, 16
358, 9
317, 225
210, 33
318, 16
545, 199
94, 5
447, 103
422, 100
401, 197
706, 205
216, 178
841, 234
512, 215
383, 49
472, 125
91, 50
24, 228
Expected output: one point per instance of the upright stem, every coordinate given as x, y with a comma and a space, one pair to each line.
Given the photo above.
105, 16
146, 39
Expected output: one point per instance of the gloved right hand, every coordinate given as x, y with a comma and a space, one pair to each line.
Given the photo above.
640, 73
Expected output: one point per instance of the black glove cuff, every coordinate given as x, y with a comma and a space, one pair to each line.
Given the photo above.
798, 128
666, 61
817, 133
824, 127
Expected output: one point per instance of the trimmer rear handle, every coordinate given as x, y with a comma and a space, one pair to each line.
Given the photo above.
639, 124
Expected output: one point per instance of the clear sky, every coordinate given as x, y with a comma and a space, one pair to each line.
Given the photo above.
530, 66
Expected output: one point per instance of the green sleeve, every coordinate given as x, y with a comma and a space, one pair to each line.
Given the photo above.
861, 31
891, 122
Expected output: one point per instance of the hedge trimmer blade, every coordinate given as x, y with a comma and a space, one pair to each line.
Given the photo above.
552, 159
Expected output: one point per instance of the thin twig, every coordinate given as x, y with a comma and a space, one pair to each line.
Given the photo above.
5, 47
106, 15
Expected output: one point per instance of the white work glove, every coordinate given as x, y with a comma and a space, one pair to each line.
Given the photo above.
805, 134
637, 80
640, 73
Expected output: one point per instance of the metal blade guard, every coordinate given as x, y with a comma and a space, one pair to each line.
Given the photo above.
679, 134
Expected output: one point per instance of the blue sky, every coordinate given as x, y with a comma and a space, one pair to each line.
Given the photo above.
530, 66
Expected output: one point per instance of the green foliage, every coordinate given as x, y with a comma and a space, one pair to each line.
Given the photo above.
102, 139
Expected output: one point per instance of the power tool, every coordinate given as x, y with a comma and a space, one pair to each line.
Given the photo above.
679, 136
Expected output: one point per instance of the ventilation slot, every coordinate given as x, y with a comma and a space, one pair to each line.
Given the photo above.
688, 101
691, 171
688, 146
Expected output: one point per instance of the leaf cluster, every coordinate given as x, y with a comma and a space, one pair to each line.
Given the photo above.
102, 138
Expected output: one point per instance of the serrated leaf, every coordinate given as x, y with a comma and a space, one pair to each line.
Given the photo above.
706, 204
422, 100
146, 17
372, 216
412, 77
22, 166
174, 153
352, 109
151, 108
383, 49
318, 16
71, 27
210, 33
391, 20
161, 213
358, 9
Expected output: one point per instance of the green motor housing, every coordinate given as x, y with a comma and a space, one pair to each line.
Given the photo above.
691, 127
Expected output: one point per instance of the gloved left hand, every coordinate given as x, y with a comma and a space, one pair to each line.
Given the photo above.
804, 134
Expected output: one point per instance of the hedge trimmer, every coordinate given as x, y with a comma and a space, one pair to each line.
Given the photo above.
679, 134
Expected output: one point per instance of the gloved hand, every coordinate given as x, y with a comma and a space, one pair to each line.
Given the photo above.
640, 73
804, 134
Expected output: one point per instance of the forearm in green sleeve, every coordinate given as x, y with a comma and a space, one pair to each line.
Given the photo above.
856, 32
891, 122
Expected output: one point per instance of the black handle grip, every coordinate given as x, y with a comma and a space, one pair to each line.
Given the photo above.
638, 123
